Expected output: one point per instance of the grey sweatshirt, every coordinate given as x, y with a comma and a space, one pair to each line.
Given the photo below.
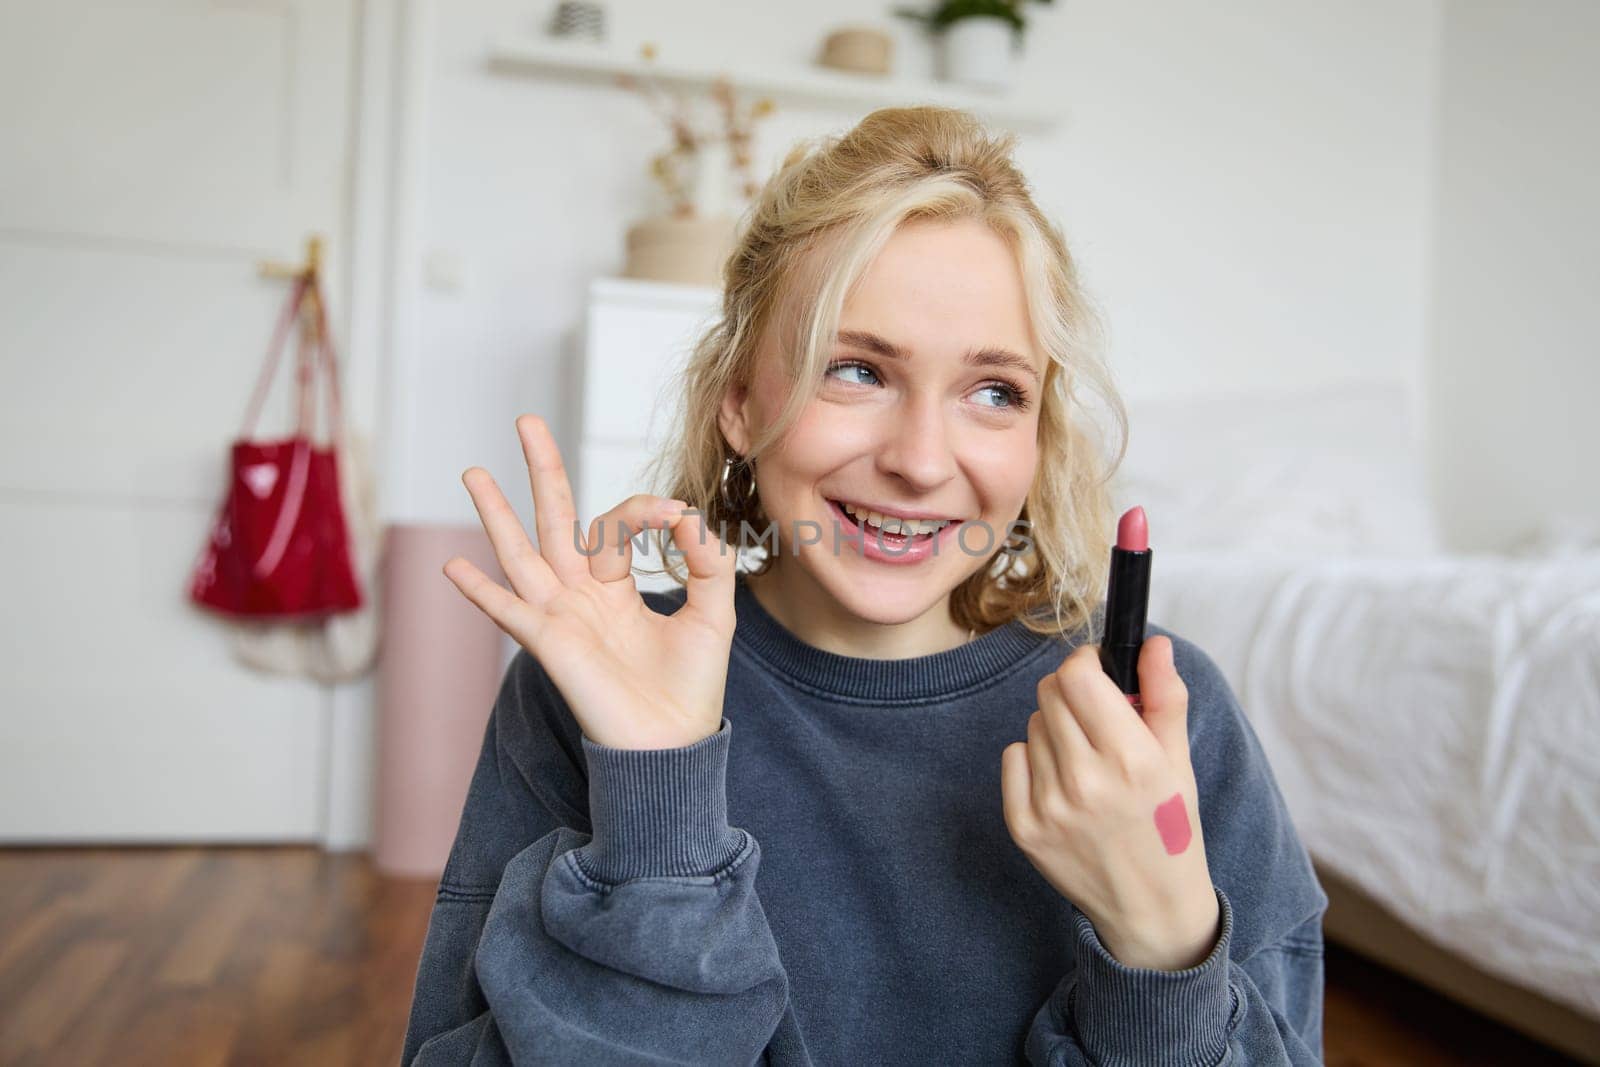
828, 879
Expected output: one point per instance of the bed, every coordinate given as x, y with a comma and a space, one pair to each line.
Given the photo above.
1432, 718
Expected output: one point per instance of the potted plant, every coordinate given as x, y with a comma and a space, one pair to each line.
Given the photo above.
705, 176
977, 38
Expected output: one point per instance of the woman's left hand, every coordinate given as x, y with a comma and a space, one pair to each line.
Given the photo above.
1103, 802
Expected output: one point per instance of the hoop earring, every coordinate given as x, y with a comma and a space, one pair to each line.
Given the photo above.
1016, 549
744, 494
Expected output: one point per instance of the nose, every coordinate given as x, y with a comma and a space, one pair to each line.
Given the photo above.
916, 444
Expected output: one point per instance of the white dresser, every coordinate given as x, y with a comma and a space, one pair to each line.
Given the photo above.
635, 339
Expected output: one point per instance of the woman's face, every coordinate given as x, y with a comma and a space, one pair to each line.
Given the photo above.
929, 409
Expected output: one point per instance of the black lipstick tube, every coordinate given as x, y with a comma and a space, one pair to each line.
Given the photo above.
1127, 597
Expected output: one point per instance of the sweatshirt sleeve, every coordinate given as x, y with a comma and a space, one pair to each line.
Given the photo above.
602, 913
1256, 999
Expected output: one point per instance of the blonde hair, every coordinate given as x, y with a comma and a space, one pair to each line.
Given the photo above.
810, 234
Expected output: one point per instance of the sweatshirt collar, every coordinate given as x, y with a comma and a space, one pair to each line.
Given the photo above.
919, 679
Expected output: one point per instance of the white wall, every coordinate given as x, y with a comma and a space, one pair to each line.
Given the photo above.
1245, 183
1514, 366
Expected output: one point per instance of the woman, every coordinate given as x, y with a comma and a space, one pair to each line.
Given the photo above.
902, 337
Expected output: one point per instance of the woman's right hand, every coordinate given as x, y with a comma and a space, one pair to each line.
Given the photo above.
633, 678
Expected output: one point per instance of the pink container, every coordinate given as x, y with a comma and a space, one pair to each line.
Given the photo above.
439, 672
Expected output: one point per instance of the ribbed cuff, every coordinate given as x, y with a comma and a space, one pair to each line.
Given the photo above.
1140, 1015
659, 812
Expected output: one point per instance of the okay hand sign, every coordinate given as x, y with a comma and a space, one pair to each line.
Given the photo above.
633, 678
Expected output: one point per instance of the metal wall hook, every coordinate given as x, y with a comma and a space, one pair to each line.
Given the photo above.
311, 312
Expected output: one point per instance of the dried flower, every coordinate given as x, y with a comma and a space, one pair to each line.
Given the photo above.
668, 168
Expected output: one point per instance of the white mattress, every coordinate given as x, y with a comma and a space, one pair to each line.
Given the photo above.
1435, 727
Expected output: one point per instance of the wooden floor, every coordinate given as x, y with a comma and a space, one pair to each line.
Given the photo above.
200, 956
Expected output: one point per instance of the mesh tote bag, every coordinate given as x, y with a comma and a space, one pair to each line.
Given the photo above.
279, 546
340, 648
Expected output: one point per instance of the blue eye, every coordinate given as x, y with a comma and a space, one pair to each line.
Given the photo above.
852, 366
1012, 396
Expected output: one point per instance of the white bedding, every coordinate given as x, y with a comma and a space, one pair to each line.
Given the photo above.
1434, 724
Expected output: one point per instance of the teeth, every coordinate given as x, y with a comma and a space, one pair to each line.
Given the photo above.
889, 524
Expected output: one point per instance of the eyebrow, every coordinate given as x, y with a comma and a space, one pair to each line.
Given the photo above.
978, 357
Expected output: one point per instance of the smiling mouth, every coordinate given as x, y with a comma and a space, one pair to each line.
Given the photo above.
890, 527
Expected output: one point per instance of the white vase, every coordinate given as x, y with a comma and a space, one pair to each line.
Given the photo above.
977, 52
712, 191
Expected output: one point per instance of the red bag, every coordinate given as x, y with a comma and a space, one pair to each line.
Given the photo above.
279, 547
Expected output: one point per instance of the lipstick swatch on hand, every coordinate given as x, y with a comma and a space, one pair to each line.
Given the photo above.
1172, 821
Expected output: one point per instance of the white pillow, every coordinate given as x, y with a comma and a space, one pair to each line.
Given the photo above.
1336, 469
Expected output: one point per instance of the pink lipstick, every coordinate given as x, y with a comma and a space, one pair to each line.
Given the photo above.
1127, 596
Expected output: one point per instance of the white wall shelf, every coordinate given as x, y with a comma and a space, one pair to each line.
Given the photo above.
806, 87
